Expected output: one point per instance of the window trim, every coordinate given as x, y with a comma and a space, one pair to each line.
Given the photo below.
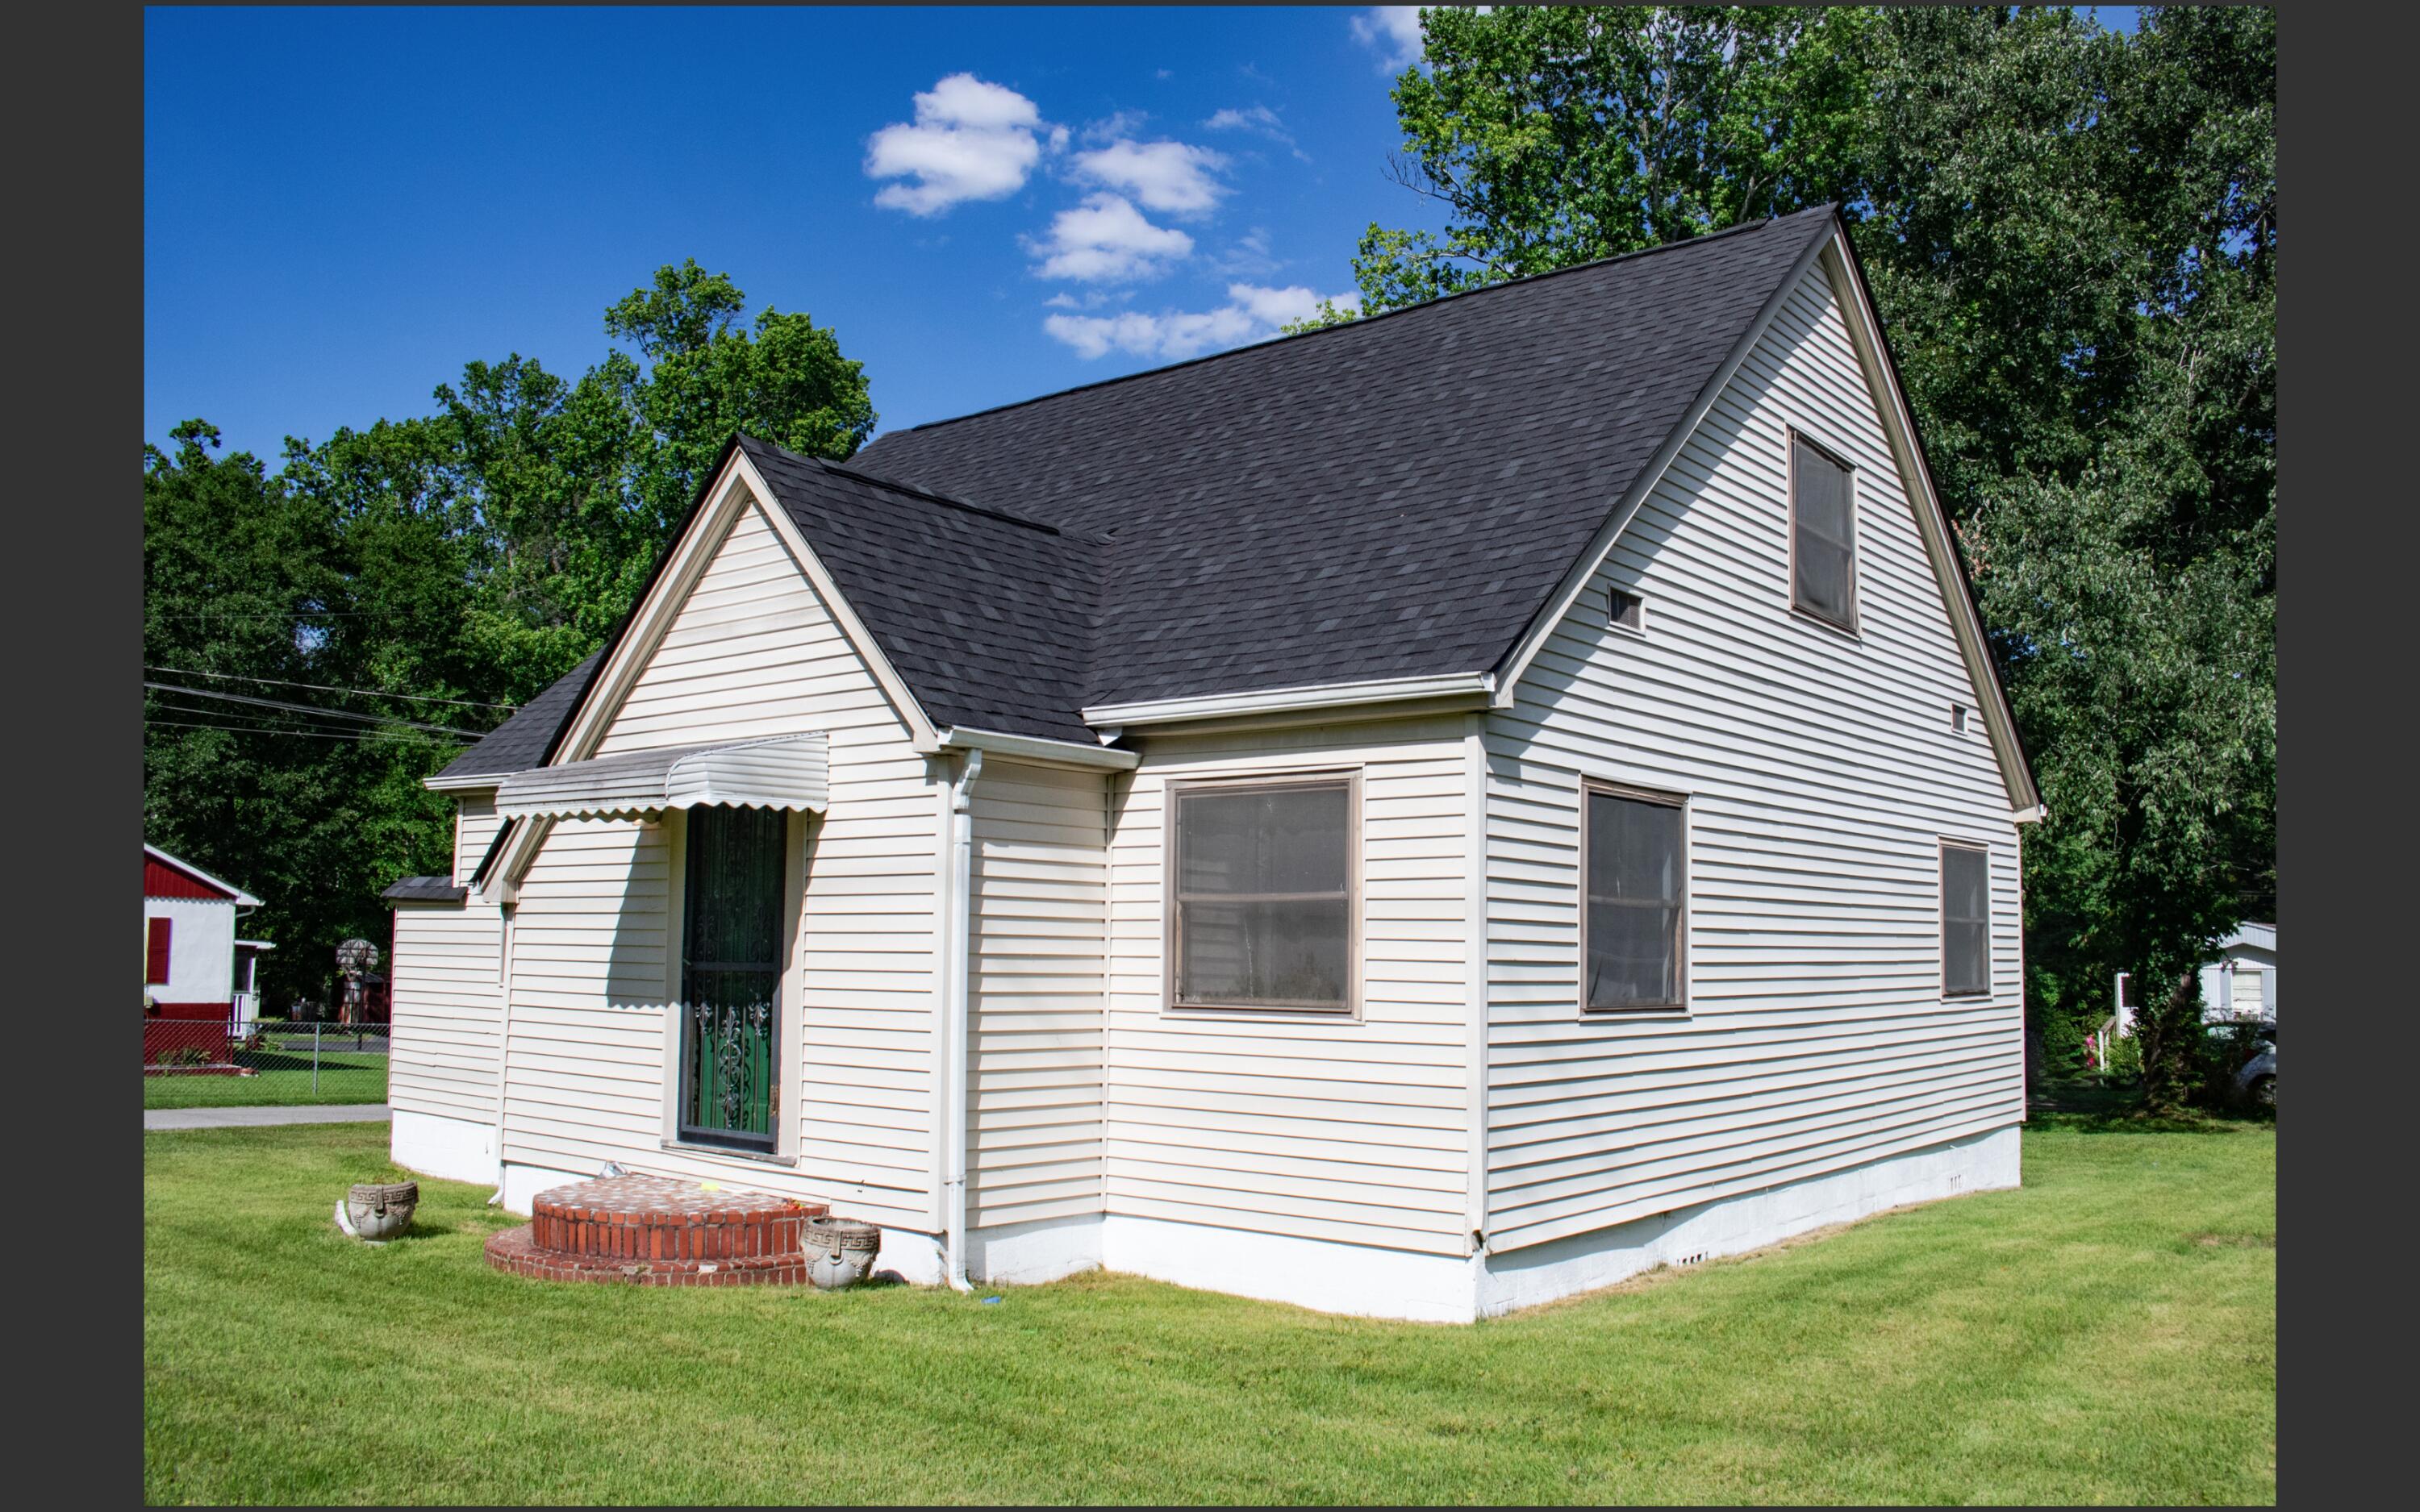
1791, 435
1941, 917
1354, 880
1682, 976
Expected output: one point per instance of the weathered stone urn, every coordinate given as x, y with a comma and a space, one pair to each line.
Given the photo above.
839, 1251
377, 1210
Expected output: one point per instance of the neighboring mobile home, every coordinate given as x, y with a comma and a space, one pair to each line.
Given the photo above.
1417, 818
2240, 983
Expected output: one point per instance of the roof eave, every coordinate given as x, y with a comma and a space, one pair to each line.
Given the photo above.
1474, 686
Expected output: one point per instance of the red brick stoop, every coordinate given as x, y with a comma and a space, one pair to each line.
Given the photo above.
655, 1230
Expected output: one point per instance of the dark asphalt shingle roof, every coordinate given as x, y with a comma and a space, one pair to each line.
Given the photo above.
520, 742
426, 890
1393, 498
990, 619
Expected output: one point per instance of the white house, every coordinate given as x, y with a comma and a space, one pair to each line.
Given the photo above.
190, 954
1417, 818
2239, 983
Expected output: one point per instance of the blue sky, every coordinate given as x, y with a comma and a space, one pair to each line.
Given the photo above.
343, 206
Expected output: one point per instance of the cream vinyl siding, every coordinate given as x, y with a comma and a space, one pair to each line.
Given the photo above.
753, 652
1822, 775
1318, 1125
447, 1010
1035, 1046
474, 829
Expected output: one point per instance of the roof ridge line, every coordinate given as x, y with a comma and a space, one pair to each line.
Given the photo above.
1350, 325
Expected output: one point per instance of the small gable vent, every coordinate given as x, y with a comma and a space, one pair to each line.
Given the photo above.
1958, 718
1625, 611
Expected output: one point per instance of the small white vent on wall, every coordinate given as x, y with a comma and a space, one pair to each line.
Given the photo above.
1958, 718
1625, 611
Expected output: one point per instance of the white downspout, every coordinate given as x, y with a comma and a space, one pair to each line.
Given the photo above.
958, 964
504, 1034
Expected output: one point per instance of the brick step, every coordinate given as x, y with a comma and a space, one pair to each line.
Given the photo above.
661, 1219
514, 1250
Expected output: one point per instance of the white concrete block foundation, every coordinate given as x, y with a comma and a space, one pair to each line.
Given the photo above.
1028, 1253
452, 1150
1371, 1282
1565, 1267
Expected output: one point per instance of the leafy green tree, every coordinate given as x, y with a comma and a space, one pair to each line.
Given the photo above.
2071, 239
428, 572
1559, 134
250, 588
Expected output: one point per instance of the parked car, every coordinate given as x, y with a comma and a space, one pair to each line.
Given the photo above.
2255, 1080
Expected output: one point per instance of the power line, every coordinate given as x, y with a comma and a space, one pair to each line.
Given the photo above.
366, 737
308, 708
297, 614
329, 688
266, 715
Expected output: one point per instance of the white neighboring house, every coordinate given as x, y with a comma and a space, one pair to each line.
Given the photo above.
193, 968
1417, 819
2240, 983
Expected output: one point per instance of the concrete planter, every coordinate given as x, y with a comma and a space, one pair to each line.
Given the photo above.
839, 1251
377, 1210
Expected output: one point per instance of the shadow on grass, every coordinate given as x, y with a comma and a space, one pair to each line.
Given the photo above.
2089, 1107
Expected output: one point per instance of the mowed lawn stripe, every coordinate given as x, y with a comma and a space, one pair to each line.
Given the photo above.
2105, 1333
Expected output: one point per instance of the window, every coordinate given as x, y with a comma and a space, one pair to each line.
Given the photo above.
1635, 859
1626, 612
731, 975
155, 951
1262, 908
1965, 920
1958, 718
1823, 535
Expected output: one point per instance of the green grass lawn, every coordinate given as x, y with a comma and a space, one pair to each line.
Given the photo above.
286, 1079
2106, 1333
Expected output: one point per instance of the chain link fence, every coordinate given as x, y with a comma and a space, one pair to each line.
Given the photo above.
209, 1063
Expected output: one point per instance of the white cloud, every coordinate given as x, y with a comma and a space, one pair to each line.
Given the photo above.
1248, 256
1394, 31
1116, 124
1260, 121
970, 140
1253, 312
1165, 176
1106, 240
1258, 118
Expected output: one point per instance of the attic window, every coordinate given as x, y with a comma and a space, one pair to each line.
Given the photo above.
1958, 718
1823, 535
1625, 611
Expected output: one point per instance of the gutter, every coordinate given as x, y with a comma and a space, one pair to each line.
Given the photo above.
956, 968
1033, 749
1287, 699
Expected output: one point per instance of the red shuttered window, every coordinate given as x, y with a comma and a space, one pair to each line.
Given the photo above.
155, 951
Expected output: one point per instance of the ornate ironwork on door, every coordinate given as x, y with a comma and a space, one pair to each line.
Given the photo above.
731, 973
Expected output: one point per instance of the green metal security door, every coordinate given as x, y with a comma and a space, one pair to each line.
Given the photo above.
731, 972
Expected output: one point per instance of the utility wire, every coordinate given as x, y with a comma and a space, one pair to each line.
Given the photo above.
364, 738
271, 716
307, 708
327, 688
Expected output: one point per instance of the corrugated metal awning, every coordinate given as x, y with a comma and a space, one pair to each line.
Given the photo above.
781, 772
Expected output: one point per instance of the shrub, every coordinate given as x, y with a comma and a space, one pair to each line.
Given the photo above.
2125, 1066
